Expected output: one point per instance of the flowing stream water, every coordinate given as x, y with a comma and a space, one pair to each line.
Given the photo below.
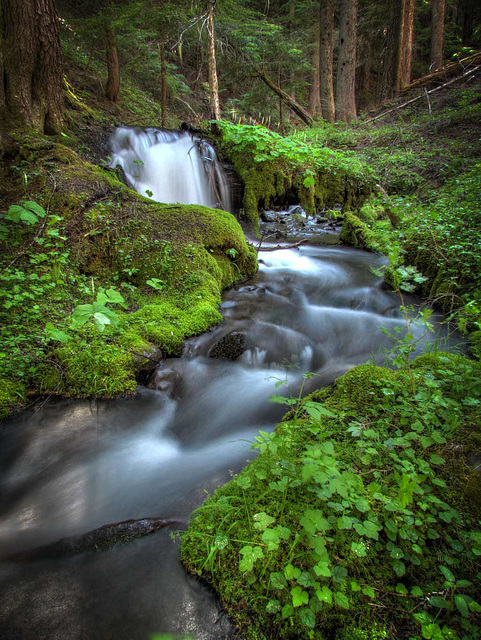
74, 466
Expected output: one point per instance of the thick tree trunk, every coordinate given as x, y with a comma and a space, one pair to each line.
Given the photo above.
213, 84
346, 65
163, 83
315, 89
437, 34
407, 42
113, 71
326, 59
30, 65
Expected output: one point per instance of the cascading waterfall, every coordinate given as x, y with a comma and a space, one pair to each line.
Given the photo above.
171, 167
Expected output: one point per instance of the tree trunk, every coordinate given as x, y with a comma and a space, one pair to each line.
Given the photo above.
326, 59
113, 71
213, 84
315, 89
346, 65
163, 83
407, 42
437, 34
30, 65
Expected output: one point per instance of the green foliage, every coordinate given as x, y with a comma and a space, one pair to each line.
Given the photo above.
351, 503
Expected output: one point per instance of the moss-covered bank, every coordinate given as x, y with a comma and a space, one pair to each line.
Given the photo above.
279, 170
169, 263
359, 518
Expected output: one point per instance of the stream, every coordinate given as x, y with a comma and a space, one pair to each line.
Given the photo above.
74, 466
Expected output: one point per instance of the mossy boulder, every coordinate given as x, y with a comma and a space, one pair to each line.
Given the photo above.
170, 262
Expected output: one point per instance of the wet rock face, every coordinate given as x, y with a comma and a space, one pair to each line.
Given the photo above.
168, 380
146, 362
230, 347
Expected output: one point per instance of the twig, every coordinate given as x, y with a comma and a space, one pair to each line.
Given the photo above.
280, 246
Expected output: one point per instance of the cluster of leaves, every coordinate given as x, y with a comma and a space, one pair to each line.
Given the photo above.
268, 146
348, 506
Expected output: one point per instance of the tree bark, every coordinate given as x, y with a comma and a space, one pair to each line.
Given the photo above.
315, 89
326, 59
407, 42
346, 66
163, 83
113, 71
437, 34
213, 83
30, 66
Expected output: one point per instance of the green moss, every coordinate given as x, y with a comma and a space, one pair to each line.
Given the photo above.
284, 507
12, 395
107, 235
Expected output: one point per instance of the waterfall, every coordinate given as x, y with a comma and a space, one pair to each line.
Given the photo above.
171, 167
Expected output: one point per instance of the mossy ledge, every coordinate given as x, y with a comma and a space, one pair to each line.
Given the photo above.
100, 234
359, 511
279, 170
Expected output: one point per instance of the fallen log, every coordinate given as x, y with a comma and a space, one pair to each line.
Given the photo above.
426, 93
97, 539
453, 68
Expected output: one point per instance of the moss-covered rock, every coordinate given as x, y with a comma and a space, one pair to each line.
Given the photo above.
171, 263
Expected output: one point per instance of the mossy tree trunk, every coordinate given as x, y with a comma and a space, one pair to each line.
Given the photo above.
346, 65
326, 59
30, 66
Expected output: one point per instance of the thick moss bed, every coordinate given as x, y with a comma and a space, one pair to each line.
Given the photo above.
282, 170
168, 262
360, 517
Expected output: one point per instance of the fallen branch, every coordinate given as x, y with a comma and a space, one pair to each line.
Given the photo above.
422, 95
280, 246
97, 539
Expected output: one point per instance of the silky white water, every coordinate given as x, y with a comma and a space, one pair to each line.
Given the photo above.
171, 167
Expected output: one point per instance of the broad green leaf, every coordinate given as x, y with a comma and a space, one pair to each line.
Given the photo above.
271, 538
307, 617
341, 600
262, 520
82, 313
369, 592
36, 208
299, 597
461, 605
273, 606
287, 611
416, 592
291, 572
399, 568
249, 557
438, 601
278, 580
28, 217
317, 410
322, 569
306, 579
55, 334
14, 213
101, 321
359, 549
324, 594
449, 575
435, 459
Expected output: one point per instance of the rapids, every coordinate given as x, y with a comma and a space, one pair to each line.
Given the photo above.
74, 466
